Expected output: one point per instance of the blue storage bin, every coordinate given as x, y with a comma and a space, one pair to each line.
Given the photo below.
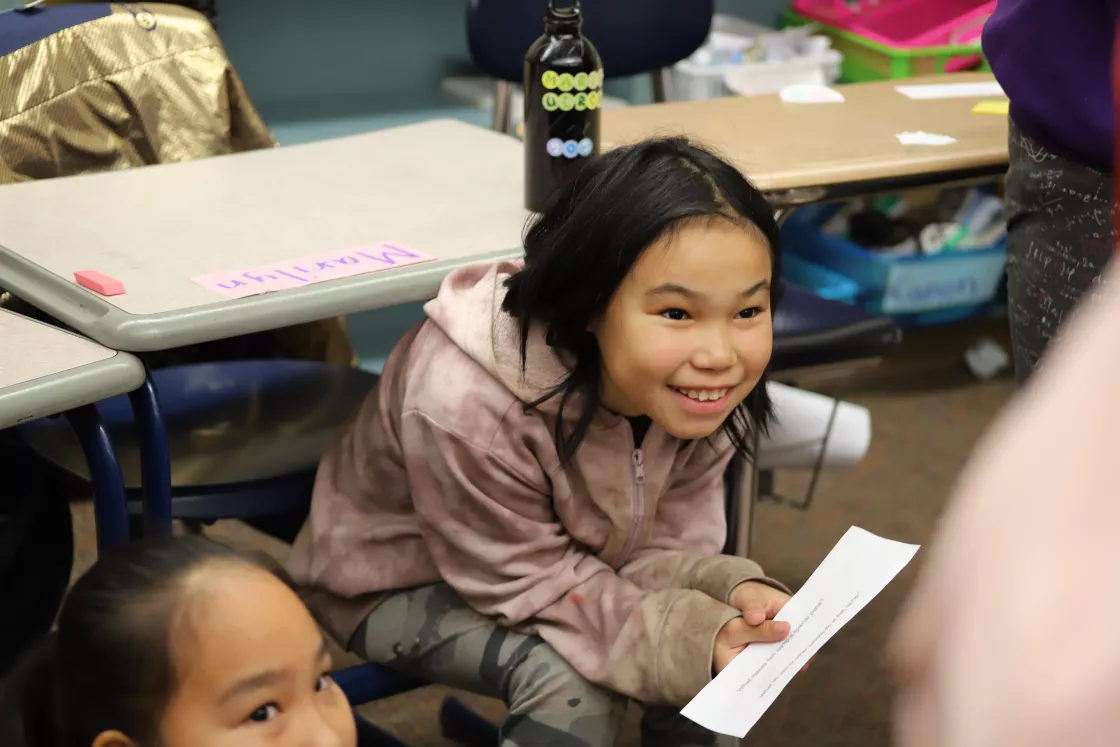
919, 289
819, 280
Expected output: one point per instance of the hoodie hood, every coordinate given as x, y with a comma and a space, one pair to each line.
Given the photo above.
468, 309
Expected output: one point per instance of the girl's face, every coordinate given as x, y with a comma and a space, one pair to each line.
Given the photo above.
688, 334
252, 668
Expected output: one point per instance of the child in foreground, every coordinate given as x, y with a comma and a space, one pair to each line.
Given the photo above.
177, 643
531, 503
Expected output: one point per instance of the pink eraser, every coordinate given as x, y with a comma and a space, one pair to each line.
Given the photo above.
99, 283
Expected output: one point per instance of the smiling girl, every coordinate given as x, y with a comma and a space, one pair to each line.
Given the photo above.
531, 503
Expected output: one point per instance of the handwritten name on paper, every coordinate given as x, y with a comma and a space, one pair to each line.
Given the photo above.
301, 271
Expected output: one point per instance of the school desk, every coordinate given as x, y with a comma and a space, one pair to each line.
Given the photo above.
45, 371
803, 153
445, 189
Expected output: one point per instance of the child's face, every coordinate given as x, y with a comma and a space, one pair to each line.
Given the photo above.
688, 333
251, 668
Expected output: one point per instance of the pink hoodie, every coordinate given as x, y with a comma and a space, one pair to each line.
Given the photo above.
444, 475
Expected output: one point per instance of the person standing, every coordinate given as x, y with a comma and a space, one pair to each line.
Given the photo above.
1053, 61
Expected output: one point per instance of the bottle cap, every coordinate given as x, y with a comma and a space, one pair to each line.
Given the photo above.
567, 14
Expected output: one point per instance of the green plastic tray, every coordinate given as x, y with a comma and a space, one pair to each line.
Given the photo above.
866, 60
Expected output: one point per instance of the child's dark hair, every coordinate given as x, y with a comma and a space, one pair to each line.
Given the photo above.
590, 235
108, 666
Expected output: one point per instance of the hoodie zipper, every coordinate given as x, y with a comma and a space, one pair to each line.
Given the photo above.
638, 505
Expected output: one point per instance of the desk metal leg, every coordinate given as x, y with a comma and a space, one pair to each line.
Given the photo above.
743, 492
110, 504
734, 504
753, 498
785, 202
739, 517
662, 82
503, 99
155, 458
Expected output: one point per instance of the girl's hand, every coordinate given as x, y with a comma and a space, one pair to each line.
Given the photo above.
760, 602
737, 634
757, 601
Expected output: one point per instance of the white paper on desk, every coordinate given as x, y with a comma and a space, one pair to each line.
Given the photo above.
918, 137
951, 90
851, 575
806, 93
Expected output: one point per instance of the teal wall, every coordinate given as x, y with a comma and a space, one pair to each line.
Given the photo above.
341, 59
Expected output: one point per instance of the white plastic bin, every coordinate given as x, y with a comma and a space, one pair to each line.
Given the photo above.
751, 78
704, 76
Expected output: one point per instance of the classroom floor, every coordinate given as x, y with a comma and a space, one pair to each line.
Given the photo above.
927, 411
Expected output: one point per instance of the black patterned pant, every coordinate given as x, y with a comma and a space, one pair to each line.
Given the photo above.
1060, 239
431, 633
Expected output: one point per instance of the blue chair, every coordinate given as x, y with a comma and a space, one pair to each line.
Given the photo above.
633, 37
810, 332
238, 439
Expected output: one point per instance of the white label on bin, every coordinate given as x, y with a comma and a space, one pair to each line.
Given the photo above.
918, 286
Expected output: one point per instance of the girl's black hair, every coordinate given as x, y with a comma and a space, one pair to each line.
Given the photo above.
108, 665
592, 232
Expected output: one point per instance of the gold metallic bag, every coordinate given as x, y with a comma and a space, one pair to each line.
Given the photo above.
143, 85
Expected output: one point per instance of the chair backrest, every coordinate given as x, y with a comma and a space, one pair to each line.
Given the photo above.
632, 36
20, 28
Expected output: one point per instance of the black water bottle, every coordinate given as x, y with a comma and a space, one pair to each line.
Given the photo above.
563, 97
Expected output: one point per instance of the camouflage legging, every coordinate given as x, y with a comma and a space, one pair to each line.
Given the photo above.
430, 632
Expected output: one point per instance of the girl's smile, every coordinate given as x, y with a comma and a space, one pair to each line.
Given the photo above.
703, 401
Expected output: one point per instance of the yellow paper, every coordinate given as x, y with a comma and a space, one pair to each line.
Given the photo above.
999, 106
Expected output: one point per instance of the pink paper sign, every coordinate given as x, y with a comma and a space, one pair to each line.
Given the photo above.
319, 268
